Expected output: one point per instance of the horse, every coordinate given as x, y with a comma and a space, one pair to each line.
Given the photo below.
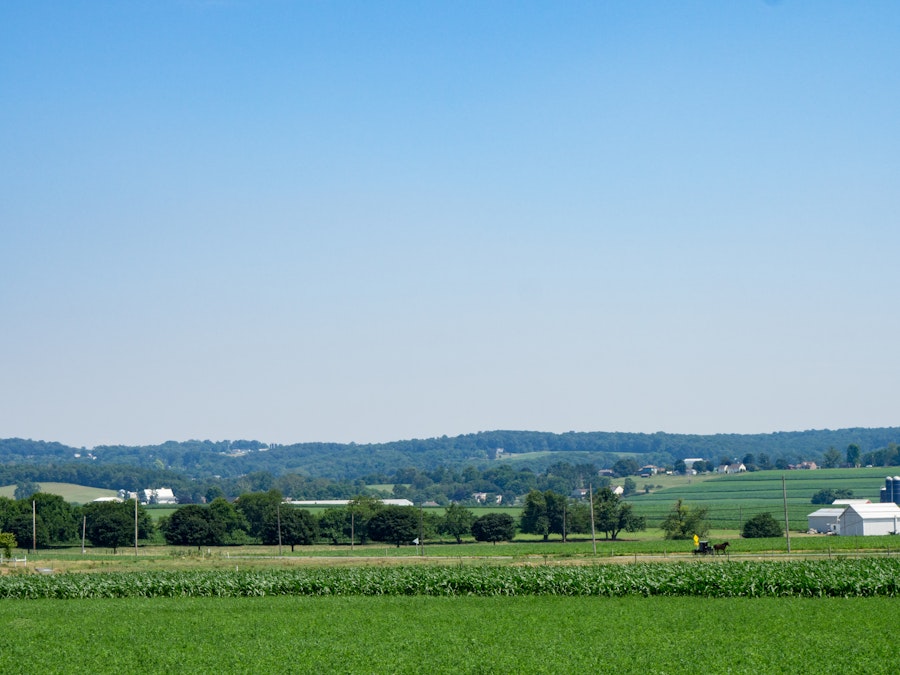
721, 548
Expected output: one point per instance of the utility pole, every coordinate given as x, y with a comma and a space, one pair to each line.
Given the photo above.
593, 533
135, 523
422, 528
787, 528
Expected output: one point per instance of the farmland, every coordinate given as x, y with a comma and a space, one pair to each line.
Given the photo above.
731, 499
843, 577
77, 494
535, 634
459, 619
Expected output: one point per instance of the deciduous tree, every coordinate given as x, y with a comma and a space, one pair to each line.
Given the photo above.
683, 522
853, 455
7, 543
457, 522
26, 488
111, 524
612, 515
828, 495
762, 525
188, 526
494, 527
395, 525
831, 458
298, 526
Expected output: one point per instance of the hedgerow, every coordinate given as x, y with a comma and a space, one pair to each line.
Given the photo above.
865, 577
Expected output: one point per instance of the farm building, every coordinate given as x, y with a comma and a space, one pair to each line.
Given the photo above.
737, 467
824, 520
158, 496
869, 519
342, 502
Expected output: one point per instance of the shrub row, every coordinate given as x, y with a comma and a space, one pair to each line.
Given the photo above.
840, 578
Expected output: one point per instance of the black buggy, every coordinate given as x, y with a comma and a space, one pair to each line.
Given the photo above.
704, 549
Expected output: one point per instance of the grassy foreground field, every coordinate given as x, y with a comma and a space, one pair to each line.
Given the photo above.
449, 635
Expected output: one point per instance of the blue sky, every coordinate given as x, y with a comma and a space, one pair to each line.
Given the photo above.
325, 221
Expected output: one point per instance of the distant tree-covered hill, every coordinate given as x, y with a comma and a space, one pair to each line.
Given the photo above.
347, 462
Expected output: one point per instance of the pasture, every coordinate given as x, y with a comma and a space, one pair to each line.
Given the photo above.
535, 634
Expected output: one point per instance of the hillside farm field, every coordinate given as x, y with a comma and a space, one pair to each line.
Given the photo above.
78, 494
537, 634
732, 499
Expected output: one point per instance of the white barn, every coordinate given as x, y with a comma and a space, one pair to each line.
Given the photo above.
825, 520
869, 519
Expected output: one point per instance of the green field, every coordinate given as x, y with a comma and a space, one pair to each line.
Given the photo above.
731, 500
77, 494
449, 635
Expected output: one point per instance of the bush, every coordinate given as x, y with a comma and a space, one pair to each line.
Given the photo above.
762, 525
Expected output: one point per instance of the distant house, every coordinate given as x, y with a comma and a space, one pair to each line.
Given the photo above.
480, 497
737, 467
810, 466
579, 493
618, 490
648, 470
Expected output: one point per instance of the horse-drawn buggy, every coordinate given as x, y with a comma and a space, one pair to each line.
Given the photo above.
703, 548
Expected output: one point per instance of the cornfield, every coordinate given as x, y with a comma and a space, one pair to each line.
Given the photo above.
866, 577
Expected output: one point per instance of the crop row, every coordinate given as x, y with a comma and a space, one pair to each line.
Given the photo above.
842, 578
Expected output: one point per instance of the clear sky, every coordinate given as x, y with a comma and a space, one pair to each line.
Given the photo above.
338, 221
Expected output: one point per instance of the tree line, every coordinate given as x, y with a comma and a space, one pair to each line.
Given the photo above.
45, 520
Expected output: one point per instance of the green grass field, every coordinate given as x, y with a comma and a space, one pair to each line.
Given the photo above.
449, 635
77, 494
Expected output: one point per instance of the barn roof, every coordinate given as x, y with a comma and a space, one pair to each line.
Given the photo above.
874, 510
